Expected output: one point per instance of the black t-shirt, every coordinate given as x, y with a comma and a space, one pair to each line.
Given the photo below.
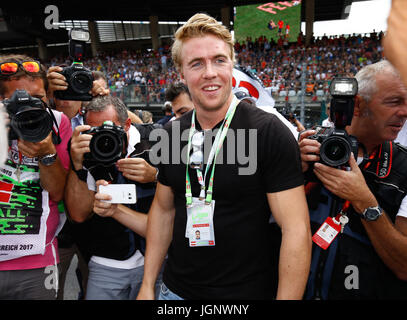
238, 266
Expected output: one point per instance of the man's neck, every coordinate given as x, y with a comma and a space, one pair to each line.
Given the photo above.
369, 145
208, 119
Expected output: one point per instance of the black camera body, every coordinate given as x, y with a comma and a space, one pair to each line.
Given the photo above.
336, 143
80, 82
79, 78
29, 119
108, 144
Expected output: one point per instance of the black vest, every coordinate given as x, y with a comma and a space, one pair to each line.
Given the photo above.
386, 176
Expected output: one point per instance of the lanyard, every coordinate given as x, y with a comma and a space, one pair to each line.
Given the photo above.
220, 137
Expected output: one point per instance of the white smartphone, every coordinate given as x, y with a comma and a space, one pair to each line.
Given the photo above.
120, 193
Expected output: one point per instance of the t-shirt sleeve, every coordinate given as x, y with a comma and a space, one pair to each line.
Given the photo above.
403, 208
280, 159
165, 154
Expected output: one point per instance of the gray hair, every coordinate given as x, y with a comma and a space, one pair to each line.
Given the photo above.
101, 103
366, 77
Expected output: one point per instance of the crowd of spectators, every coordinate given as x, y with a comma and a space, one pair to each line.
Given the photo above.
142, 76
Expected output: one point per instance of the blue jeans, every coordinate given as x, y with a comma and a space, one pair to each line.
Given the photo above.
167, 294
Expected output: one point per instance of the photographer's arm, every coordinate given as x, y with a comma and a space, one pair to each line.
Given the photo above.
137, 169
133, 220
52, 177
78, 198
388, 239
299, 125
395, 40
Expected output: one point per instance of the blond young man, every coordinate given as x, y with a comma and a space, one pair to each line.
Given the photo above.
231, 259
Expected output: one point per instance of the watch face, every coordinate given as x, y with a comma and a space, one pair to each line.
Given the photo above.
372, 214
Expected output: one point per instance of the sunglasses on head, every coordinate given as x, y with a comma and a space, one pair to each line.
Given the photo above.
197, 156
10, 68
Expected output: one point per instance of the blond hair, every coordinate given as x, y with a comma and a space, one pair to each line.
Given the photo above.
200, 25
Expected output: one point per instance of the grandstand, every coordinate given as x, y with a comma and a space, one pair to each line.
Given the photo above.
131, 46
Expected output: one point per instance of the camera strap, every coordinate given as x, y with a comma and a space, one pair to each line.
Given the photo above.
380, 161
56, 137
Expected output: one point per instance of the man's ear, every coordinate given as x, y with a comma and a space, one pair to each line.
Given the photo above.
359, 102
127, 125
181, 74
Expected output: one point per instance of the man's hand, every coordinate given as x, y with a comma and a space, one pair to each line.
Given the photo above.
79, 145
137, 169
146, 293
37, 149
309, 149
102, 208
348, 185
56, 81
98, 89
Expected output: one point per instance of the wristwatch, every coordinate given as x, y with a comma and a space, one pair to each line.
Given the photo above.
372, 213
48, 159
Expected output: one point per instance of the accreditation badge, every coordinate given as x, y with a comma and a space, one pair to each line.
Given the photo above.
327, 233
200, 229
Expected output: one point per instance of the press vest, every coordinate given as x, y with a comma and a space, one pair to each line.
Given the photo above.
350, 268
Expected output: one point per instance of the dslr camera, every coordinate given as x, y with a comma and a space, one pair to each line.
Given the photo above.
287, 113
29, 119
79, 78
108, 144
336, 143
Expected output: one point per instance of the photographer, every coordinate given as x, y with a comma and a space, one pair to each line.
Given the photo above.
32, 182
180, 99
116, 265
368, 259
4, 122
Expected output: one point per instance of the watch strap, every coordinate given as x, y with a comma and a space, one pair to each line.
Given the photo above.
48, 159
376, 208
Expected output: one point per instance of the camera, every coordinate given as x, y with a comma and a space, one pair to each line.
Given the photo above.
29, 119
79, 78
108, 144
287, 113
336, 143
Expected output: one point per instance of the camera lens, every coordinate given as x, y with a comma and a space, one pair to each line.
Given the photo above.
335, 151
105, 147
32, 125
81, 82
